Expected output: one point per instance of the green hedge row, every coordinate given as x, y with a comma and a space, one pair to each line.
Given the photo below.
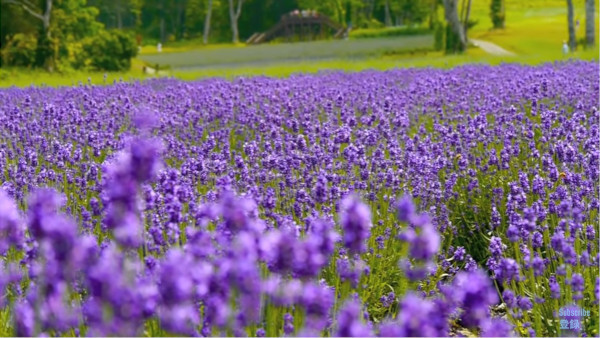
388, 32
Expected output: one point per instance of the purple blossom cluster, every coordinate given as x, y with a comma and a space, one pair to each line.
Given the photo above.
399, 203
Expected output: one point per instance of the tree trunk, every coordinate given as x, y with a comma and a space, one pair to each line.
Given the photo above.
181, 21
118, 9
369, 9
207, 22
233, 19
462, 11
234, 15
572, 41
119, 19
45, 48
590, 31
433, 14
466, 20
503, 12
455, 41
388, 17
341, 12
43, 14
162, 28
497, 13
47, 13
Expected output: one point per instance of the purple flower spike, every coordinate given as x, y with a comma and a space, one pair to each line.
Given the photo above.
426, 244
355, 218
145, 159
12, 231
349, 323
406, 209
496, 327
418, 318
475, 292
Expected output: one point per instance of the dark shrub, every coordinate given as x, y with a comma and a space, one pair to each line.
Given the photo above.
110, 50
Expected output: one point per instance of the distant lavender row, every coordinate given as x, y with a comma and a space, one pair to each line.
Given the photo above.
399, 203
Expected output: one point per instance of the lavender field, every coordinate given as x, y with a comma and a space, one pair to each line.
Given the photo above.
415, 202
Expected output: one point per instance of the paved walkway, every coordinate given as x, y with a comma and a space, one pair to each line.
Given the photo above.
491, 48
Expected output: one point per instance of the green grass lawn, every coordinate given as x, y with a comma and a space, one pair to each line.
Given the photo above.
517, 10
534, 31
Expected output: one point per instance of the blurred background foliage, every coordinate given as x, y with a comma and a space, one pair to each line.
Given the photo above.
63, 36
84, 34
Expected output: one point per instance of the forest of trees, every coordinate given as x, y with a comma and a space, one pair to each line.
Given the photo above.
104, 34
169, 20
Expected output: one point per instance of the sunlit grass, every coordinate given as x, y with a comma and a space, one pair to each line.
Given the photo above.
536, 32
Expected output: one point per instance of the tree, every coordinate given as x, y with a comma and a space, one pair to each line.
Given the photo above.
72, 22
590, 13
455, 36
234, 15
14, 20
121, 14
388, 17
41, 14
572, 42
44, 53
155, 14
177, 11
335, 9
119, 7
497, 13
465, 18
340, 11
433, 13
369, 6
417, 10
109, 50
207, 22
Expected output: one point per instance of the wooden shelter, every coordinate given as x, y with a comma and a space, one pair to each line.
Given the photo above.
306, 25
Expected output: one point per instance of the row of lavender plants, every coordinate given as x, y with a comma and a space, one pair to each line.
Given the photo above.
401, 203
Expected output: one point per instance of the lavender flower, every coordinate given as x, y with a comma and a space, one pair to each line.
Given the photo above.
417, 318
474, 291
538, 266
355, 219
509, 298
12, 232
496, 247
554, 287
496, 327
507, 270
288, 324
423, 246
348, 321
240, 222
577, 282
406, 209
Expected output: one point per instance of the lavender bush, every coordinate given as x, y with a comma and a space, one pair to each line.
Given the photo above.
400, 203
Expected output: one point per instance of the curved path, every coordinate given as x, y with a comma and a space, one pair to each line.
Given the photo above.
491, 48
